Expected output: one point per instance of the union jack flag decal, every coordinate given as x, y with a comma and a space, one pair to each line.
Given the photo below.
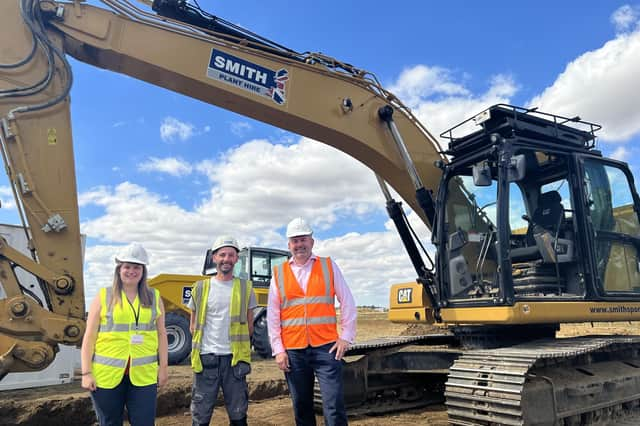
278, 93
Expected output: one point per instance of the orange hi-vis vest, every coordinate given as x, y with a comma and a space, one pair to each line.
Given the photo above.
307, 319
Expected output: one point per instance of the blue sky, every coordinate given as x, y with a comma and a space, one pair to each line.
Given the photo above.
173, 173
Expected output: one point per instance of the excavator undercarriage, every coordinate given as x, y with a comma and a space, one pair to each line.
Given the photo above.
547, 381
392, 374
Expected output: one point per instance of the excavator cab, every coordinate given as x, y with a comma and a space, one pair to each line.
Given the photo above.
529, 210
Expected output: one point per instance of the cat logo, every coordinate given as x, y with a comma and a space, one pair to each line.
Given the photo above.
404, 295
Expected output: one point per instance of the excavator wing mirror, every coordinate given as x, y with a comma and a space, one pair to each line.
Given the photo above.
481, 174
517, 168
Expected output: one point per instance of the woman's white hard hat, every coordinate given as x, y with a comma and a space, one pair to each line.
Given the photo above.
298, 227
133, 253
225, 241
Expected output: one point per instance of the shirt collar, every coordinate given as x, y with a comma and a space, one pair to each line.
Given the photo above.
312, 258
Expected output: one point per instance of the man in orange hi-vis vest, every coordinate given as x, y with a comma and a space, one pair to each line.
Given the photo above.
303, 329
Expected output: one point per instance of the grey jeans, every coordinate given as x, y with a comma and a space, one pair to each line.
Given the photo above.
217, 372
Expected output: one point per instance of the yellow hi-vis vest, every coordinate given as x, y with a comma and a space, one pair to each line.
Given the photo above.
238, 329
120, 340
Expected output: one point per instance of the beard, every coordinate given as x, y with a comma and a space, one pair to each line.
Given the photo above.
225, 267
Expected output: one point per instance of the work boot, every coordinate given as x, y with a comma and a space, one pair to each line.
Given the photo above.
240, 422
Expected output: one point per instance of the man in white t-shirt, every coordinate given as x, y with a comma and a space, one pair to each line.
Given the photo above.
221, 325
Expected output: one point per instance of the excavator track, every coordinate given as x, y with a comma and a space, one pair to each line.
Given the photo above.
396, 342
572, 381
395, 373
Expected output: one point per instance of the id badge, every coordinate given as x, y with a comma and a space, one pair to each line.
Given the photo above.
136, 339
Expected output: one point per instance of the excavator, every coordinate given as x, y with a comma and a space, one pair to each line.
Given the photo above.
532, 226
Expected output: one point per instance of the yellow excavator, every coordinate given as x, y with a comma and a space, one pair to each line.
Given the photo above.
532, 226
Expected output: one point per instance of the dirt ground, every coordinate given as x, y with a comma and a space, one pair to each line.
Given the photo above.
69, 405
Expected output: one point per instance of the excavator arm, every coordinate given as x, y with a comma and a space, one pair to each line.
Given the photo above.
35, 133
309, 94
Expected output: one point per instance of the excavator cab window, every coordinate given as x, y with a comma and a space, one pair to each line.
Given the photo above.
470, 224
537, 224
542, 244
615, 226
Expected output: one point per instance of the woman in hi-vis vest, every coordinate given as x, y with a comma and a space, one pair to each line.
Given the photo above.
124, 349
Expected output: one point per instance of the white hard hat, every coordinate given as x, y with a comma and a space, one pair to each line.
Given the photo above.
225, 241
133, 253
298, 227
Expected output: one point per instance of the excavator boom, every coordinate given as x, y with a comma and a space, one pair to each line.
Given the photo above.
310, 94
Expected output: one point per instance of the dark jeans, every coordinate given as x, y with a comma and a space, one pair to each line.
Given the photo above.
304, 363
140, 401
217, 372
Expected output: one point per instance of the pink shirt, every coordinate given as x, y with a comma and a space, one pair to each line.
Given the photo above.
349, 312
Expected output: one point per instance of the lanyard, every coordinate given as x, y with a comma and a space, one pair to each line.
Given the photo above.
136, 315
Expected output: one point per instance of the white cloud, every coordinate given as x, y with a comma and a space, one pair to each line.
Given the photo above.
240, 128
621, 153
98, 265
6, 198
243, 200
92, 196
173, 166
601, 86
373, 261
420, 82
283, 181
625, 18
173, 129
370, 263
173, 236
440, 114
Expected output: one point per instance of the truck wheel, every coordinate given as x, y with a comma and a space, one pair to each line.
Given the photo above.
178, 336
261, 344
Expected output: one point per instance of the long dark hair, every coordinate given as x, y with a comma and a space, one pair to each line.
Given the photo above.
144, 292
